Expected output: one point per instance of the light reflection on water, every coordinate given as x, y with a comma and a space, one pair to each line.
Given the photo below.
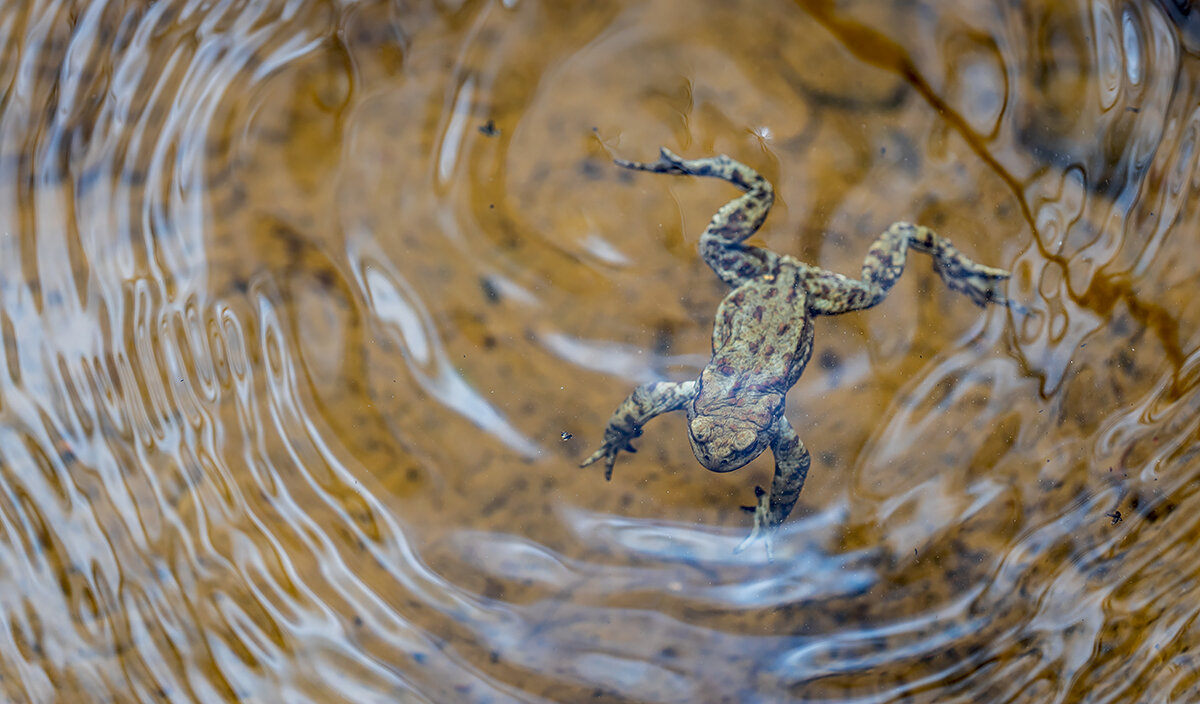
309, 311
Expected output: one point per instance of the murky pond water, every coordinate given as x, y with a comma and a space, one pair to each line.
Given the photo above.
310, 310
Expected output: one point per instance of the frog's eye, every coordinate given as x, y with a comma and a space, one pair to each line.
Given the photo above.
744, 439
701, 428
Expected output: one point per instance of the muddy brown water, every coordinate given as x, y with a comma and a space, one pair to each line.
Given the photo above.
310, 310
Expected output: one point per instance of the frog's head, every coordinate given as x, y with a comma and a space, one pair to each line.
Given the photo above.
726, 437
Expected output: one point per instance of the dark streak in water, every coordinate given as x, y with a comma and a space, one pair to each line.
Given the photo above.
1104, 291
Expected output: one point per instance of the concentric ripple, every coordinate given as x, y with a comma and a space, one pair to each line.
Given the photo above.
309, 311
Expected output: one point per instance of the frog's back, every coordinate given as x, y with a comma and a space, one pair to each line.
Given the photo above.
763, 332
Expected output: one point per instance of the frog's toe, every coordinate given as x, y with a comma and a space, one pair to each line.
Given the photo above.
763, 525
983, 288
606, 451
992, 273
593, 457
669, 157
756, 534
995, 296
1018, 308
668, 163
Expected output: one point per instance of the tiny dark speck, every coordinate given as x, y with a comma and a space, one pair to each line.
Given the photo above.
590, 169
829, 360
420, 658
489, 129
1115, 516
567, 436
490, 292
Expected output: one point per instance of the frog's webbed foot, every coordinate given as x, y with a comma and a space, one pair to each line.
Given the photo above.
885, 262
982, 284
763, 524
791, 467
668, 163
614, 443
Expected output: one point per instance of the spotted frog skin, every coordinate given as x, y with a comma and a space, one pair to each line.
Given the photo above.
762, 338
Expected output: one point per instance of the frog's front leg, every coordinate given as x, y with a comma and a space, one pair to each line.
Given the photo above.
791, 467
646, 402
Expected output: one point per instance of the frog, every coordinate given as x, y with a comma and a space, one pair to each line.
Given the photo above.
763, 337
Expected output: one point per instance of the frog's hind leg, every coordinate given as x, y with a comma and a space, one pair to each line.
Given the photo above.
832, 293
721, 244
791, 468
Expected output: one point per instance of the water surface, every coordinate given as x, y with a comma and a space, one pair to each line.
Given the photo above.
309, 311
